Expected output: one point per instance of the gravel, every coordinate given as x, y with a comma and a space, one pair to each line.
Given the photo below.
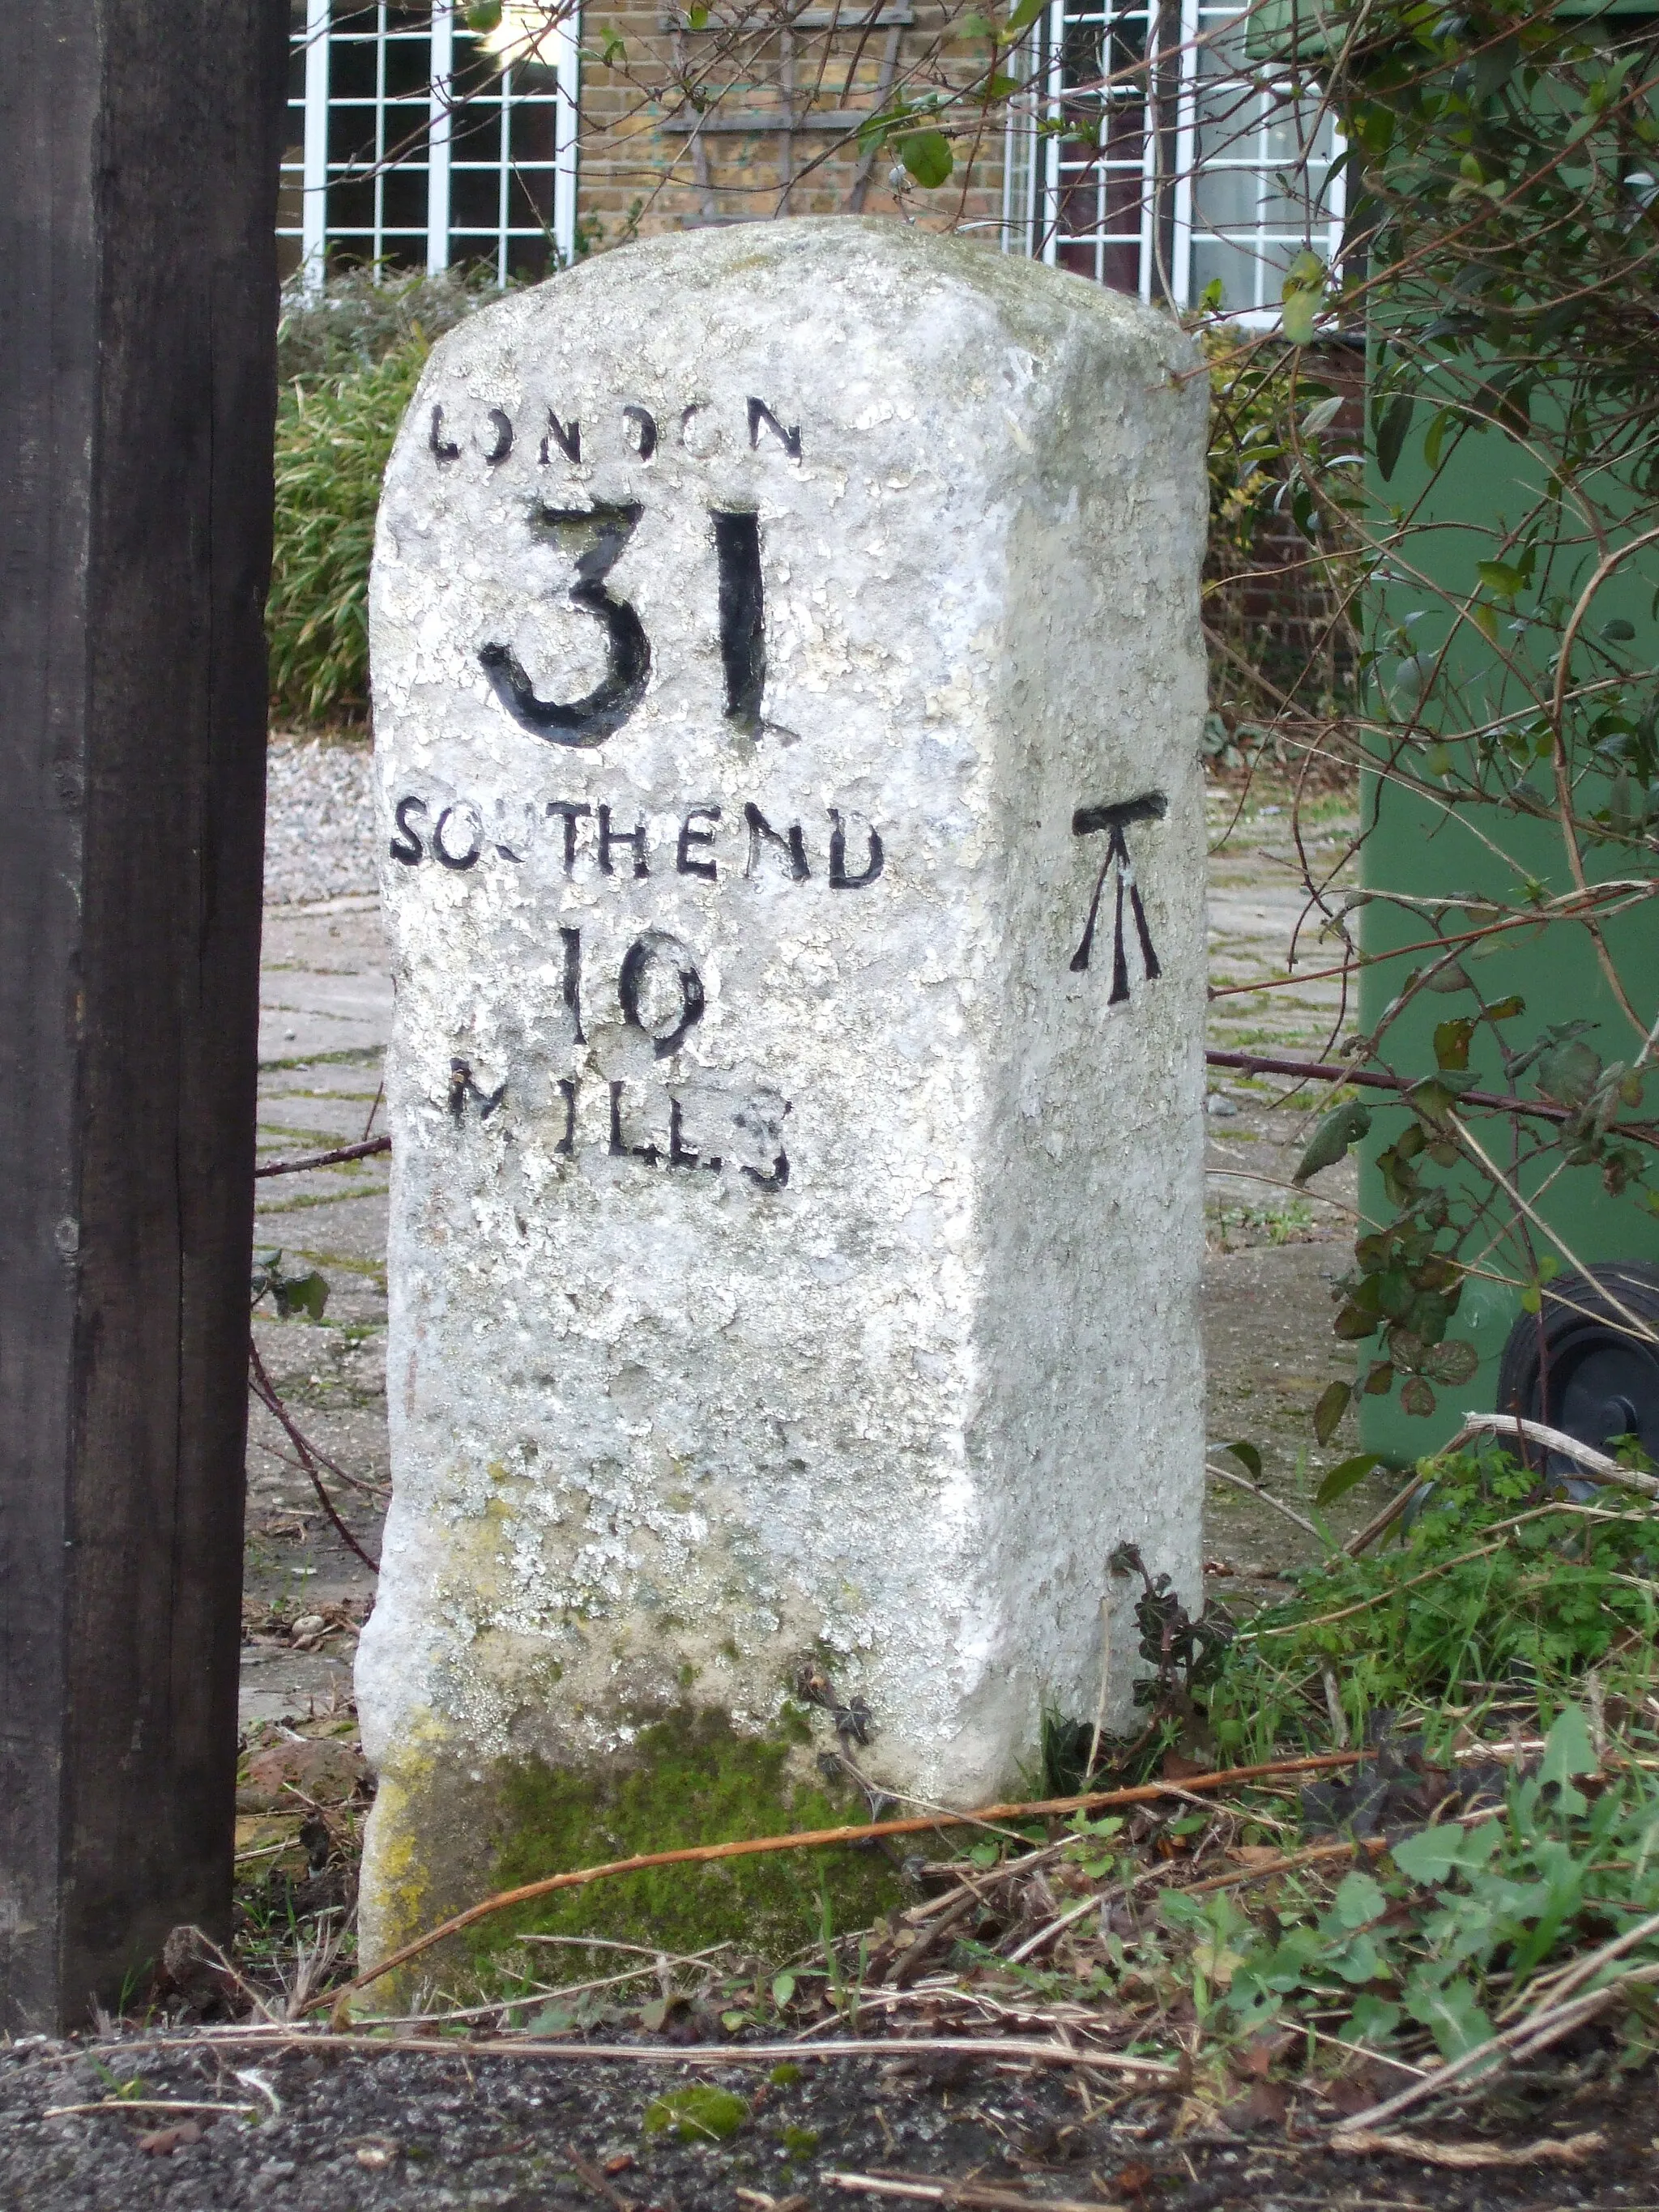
320, 820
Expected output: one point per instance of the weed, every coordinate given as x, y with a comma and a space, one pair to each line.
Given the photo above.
1494, 1586
333, 439
1461, 1919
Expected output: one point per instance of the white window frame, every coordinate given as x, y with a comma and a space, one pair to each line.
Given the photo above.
1035, 188
440, 156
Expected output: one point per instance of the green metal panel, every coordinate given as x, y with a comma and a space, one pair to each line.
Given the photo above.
1307, 31
1420, 849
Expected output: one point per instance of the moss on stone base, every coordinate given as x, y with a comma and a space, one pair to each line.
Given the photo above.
689, 1778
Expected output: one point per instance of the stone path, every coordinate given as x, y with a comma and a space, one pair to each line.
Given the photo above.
326, 1009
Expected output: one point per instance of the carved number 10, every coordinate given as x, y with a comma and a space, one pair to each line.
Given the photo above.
598, 536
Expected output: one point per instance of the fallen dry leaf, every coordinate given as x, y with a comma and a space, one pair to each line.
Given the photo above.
1264, 2105
325, 1771
1255, 2057
161, 2142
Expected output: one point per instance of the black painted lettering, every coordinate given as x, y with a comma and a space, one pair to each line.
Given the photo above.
1114, 819
761, 1122
875, 861
610, 838
680, 1154
567, 436
684, 864
791, 845
463, 1085
501, 423
574, 810
645, 430
444, 449
645, 991
408, 849
602, 532
760, 413
572, 941
619, 1147
441, 850
743, 614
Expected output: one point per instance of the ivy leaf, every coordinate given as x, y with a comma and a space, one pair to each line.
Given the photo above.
1344, 1476
1392, 428
1342, 1127
1303, 296
926, 156
1451, 1043
1453, 1362
1333, 1400
1567, 1072
295, 1294
1499, 578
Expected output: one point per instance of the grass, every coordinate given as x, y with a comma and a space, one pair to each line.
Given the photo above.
333, 440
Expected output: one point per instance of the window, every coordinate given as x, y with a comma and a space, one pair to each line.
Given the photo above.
414, 143
1150, 154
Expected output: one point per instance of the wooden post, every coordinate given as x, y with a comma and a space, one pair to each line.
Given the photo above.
138, 154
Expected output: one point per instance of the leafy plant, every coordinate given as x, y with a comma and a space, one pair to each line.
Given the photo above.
1455, 1924
333, 440
305, 1294
1495, 1585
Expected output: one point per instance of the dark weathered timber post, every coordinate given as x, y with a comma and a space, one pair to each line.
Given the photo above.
138, 151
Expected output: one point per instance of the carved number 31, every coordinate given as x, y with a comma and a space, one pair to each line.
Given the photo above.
597, 536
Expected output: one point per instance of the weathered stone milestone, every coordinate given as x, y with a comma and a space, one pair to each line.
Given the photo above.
788, 685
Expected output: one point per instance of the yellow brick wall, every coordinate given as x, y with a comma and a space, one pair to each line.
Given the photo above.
644, 170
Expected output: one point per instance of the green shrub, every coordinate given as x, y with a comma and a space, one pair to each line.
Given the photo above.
355, 320
349, 357
333, 443
1497, 1588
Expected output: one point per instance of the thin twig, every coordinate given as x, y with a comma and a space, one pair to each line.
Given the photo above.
1152, 2071
1534, 2033
1241, 1482
265, 1390
148, 2105
1105, 1681
341, 1153
1367, 1078
973, 2194
1549, 2150
1557, 1440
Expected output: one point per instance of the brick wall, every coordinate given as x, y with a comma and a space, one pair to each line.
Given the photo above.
736, 121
